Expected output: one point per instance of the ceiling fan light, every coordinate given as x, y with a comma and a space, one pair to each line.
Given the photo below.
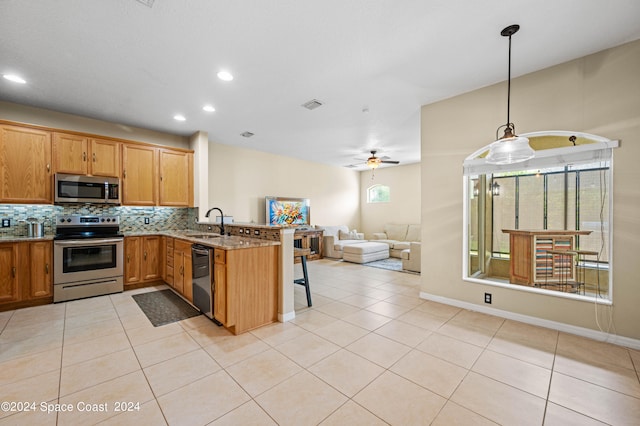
373, 163
510, 150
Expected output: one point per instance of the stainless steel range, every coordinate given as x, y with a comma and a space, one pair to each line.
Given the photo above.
87, 257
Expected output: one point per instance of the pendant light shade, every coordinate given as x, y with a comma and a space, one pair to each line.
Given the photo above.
510, 148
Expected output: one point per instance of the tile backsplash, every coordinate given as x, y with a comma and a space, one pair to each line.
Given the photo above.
132, 219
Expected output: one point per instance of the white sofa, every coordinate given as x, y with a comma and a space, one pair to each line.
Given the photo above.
399, 237
334, 238
411, 257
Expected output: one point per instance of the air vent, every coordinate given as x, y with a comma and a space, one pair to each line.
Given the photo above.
312, 104
246, 134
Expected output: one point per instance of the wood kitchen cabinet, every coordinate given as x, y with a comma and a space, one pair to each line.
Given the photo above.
9, 279
78, 154
175, 178
25, 161
28, 278
182, 270
246, 287
41, 269
142, 260
139, 171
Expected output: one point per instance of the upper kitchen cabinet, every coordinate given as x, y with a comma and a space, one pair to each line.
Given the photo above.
25, 160
81, 155
176, 178
139, 173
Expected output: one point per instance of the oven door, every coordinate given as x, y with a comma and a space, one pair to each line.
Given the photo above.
87, 259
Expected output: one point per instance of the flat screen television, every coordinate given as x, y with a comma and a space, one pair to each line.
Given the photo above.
287, 211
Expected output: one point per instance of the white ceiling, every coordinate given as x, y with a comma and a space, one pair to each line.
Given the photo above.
125, 62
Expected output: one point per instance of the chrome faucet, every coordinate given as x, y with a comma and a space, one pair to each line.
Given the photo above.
221, 218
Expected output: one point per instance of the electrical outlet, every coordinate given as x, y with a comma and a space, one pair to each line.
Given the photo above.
6, 223
487, 298
146, 220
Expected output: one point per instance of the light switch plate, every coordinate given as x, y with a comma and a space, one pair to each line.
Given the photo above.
146, 220
6, 223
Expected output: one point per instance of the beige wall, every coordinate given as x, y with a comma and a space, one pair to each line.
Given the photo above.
59, 120
239, 179
404, 182
598, 94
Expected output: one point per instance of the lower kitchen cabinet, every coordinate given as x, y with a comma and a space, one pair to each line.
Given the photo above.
28, 277
246, 287
141, 260
182, 271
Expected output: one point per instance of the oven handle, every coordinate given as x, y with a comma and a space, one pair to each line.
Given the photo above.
87, 242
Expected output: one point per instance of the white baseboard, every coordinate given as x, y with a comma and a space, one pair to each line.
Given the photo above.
286, 316
601, 336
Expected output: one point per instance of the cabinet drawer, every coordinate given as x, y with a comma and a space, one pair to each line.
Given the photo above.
169, 243
170, 275
219, 256
170, 262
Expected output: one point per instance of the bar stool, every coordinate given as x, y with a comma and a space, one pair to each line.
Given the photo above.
581, 268
302, 254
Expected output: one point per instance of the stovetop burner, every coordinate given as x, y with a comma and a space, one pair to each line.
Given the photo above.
87, 226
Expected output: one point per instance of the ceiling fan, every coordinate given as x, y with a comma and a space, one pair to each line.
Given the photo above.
373, 162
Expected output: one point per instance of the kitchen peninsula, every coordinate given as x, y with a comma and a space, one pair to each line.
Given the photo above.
244, 272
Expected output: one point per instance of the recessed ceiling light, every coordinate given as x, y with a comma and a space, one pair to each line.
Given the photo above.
208, 108
246, 134
14, 78
179, 117
225, 76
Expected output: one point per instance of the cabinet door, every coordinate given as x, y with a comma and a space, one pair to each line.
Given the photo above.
41, 270
25, 161
220, 286
188, 277
70, 153
169, 277
139, 175
178, 274
175, 178
9, 282
182, 266
151, 258
132, 250
105, 158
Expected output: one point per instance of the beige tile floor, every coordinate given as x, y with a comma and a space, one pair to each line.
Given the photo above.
369, 352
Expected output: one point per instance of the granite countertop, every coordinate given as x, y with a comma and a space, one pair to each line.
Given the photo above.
211, 239
22, 238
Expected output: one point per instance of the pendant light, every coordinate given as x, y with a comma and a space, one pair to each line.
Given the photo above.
510, 148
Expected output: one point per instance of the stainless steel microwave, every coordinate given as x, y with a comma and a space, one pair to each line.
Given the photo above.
86, 189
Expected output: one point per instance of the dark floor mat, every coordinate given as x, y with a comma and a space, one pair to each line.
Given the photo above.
164, 307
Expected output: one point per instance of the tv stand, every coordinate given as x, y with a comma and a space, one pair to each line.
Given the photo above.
308, 239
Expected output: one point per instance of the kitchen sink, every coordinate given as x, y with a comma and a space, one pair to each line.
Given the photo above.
205, 236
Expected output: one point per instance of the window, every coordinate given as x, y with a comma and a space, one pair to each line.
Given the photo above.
560, 199
378, 194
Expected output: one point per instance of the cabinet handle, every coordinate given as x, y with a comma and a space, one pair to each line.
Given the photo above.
94, 157
13, 272
46, 268
145, 255
48, 168
181, 270
160, 178
128, 258
124, 173
84, 156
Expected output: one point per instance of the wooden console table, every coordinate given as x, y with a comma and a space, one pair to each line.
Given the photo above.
531, 263
312, 240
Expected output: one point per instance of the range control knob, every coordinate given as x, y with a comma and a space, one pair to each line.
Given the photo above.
68, 219
62, 220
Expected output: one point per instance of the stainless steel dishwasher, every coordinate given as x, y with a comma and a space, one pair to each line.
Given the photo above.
202, 267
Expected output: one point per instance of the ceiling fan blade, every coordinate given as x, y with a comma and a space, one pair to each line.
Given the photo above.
390, 162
